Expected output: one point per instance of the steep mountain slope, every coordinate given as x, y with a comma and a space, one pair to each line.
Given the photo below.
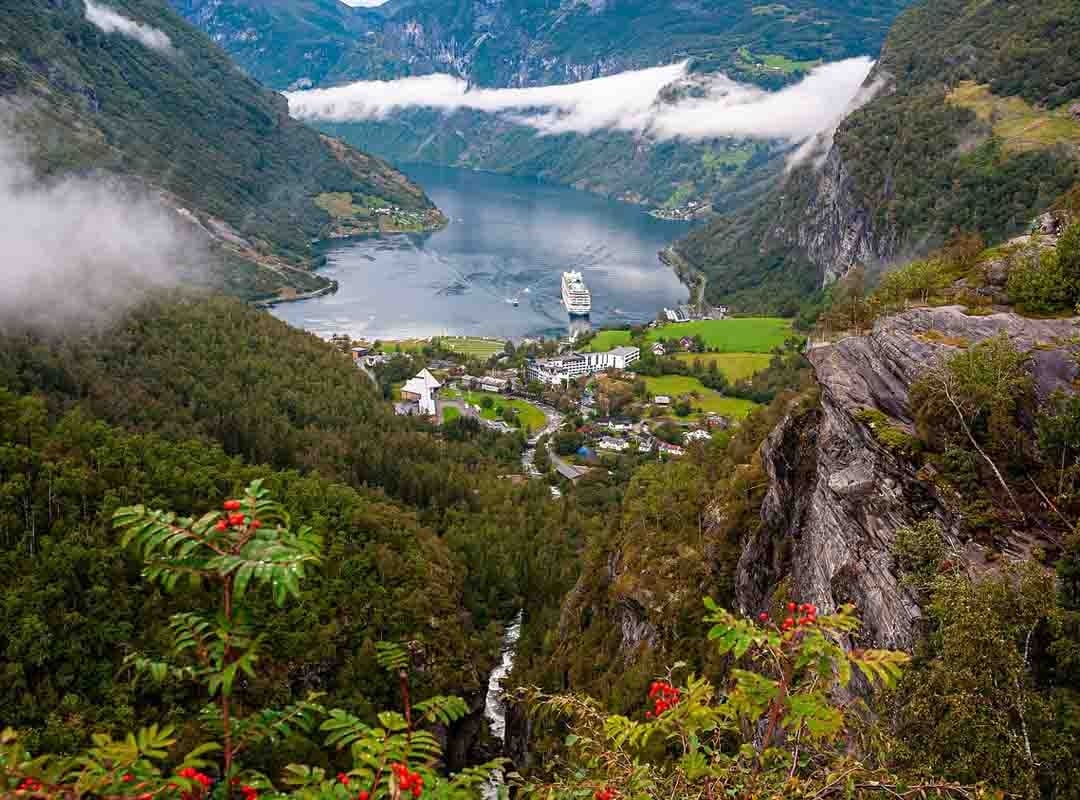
171, 110
972, 129
533, 42
180, 402
318, 43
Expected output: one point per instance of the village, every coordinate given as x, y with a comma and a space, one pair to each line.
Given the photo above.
606, 400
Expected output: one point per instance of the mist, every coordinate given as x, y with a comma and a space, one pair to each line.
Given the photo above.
81, 251
109, 21
707, 106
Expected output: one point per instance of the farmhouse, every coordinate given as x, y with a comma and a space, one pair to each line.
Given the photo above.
658, 349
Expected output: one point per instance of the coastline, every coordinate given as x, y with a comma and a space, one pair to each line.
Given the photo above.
434, 220
693, 279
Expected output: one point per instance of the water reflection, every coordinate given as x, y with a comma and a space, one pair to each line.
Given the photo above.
497, 268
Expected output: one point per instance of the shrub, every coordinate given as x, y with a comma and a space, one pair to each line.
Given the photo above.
1038, 285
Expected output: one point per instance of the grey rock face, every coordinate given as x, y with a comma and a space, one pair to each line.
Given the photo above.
837, 496
835, 231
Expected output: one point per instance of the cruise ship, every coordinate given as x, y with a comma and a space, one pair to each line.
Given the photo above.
575, 294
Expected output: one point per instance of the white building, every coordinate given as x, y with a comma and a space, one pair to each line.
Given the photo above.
658, 349
697, 436
424, 391
554, 371
611, 443
490, 384
662, 400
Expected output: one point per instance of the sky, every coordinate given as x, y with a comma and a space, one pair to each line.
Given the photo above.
628, 101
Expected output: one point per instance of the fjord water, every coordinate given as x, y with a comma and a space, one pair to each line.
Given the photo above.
508, 239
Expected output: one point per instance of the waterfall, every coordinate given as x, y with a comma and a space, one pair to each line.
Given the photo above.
495, 705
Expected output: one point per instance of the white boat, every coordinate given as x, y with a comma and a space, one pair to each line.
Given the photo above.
575, 294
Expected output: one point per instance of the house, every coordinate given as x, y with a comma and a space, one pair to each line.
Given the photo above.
713, 420
697, 436
374, 359
611, 443
670, 449
492, 384
658, 349
676, 315
570, 472
686, 343
662, 400
423, 389
358, 354
469, 381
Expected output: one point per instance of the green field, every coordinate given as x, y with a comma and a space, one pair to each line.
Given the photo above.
450, 413
531, 417
469, 345
474, 345
735, 366
606, 340
740, 335
675, 386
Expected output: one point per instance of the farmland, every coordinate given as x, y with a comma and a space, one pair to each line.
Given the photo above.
735, 366
739, 335
676, 386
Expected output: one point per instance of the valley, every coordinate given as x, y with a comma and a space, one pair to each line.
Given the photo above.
312, 489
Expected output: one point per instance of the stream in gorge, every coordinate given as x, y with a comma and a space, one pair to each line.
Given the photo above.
495, 703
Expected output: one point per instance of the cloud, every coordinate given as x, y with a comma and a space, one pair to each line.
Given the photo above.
81, 250
817, 147
110, 21
662, 102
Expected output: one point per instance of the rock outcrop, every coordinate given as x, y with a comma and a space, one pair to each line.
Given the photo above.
838, 494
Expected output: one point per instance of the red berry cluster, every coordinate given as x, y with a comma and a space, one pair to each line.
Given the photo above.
249, 792
202, 779
607, 793
364, 795
235, 518
408, 781
30, 785
807, 616
664, 696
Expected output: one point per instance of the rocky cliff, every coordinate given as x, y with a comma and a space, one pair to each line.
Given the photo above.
835, 229
838, 491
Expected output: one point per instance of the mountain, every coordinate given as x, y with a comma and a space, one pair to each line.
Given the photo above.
974, 128
534, 42
145, 95
317, 43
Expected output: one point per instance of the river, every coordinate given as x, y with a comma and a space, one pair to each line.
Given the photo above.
508, 239
495, 703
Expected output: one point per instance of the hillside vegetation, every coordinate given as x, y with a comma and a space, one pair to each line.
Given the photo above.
971, 131
186, 122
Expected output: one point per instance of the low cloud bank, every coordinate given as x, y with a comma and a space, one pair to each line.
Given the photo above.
632, 101
110, 21
82, 250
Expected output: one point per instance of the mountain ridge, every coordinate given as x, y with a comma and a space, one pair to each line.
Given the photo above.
187, 123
